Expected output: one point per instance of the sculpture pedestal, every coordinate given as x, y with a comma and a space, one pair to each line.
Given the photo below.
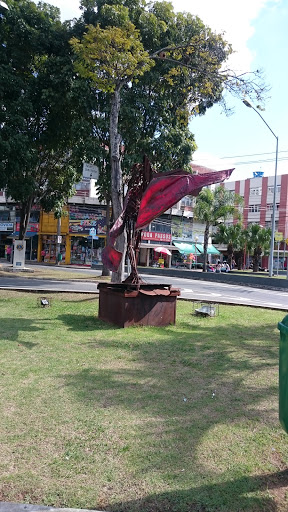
145, 304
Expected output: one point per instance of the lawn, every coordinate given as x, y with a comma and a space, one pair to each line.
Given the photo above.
52, 272
182, 418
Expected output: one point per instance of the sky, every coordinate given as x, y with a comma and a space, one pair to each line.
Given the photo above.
257, 30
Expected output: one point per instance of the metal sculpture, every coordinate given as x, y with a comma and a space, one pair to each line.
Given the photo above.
149, 195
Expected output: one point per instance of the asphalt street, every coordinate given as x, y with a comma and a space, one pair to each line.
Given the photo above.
190, 289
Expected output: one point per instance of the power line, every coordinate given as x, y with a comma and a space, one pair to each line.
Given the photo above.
268, 160
250, 162
253, 154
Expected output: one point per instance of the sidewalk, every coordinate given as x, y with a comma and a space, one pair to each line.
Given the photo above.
5, 506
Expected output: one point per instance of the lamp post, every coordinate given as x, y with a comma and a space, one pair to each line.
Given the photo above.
274, 191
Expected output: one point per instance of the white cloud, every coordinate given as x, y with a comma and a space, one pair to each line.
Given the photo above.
232, 17
69, 9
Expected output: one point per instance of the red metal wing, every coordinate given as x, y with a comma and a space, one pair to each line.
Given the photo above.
167, 189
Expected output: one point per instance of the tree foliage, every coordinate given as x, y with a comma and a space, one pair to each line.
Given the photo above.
234, 237
258, 241
41, 133
213, 208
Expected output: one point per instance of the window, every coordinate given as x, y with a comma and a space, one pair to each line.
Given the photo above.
254, 208
270, 207
271, 189
187, 201
161, 225
256, 191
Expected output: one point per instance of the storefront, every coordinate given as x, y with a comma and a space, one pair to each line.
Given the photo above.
150, 241
77, 247
6, 229
48, 249
86, 249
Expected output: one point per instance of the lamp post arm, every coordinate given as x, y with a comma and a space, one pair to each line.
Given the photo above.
274, 213
255, 110
247, 104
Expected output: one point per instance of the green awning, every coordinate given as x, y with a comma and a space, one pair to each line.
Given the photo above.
188, 248
195, 248
212, 250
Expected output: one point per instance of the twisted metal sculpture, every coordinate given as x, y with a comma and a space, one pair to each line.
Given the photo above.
149, 195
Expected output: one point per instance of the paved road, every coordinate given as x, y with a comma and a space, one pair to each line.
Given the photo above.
190, 289
225, 293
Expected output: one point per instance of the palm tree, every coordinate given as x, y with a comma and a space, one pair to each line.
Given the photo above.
233, 237
213, 207
257, 242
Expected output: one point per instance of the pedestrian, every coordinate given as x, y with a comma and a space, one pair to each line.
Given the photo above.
59, 258
43, 253
8, 252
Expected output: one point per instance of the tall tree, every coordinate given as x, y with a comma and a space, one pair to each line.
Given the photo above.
233, 236
213, 208
185, 56
257, 242
43, 120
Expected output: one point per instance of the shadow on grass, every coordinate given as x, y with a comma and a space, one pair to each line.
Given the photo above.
11, 329
90, 299
190, 500
86, 322
184, 382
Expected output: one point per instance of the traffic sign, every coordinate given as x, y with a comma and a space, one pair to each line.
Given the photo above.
278, 236
92, 232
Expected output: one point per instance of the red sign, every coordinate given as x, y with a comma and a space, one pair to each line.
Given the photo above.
156, 237
32, 226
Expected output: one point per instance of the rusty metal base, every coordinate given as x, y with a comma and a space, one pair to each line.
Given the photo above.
144, 304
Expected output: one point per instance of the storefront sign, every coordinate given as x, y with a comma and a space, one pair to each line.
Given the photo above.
82, 220
6, 226
90, 171
32, 226
155, 236
182, 228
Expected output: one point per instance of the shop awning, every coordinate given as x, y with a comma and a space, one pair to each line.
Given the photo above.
193, 248
188, 248
29, 234
212, 250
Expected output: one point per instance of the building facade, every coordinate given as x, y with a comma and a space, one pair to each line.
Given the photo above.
85, 215
258, 195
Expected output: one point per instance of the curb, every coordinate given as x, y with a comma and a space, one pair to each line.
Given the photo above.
5, 506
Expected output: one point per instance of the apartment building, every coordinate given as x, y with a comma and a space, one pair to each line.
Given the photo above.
258, 195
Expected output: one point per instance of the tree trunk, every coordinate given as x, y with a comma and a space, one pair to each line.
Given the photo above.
240, 260
58, 244
230, 252
25, 210
206, 239
105, 270
256, 257
116, 178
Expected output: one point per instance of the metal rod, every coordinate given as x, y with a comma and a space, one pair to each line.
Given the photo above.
271, 257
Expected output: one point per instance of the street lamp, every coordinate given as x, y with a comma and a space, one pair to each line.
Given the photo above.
3, 6
274, 191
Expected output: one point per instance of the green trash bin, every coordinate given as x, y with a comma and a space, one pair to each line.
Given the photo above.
283, 373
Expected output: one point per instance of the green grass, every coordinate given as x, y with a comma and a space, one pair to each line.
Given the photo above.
182, 418
52, 273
